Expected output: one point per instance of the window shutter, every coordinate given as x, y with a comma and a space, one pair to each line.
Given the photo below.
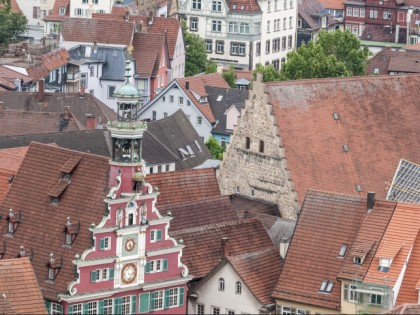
85, 308
93, 276
147, 267
102, 244
165, 264
101, 307
111, 273
133, 304
181, 296
70, 309
117, 306
144, 302
166, 298
48, 306
152, 301
158, 235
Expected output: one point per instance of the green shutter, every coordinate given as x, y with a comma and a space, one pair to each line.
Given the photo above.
70, 309
166, 298
144, 302
133, 304
93, 276
158, 235
152, 301
48, 306
85, 308
181, 296
147, 268
101, 307
165, 264
111, 273
117, 305
102, 244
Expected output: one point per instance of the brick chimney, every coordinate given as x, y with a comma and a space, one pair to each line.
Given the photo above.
41, 90
187, 85
225, 247
82, 91
91, 122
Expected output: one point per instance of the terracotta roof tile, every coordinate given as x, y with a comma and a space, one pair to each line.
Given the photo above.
211, 210
50, 61
405, 309
370, 123
197, 86
171, 27
332, 4
55, 13
414, 47
18, 284
202, 250
148, 49
260, 271
42, 229
183, 186
391, 60
8, 76
10, 160
326, 222
243, 6
102, 31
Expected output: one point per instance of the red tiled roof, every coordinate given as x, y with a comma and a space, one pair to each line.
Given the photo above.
326, 222
147, 52
405, 309
41, 231
183, 186
10, 160
332, 4
19, 286
7, 77
53, 60
260, 271
55, 13
197, 85
202, 250
396, 244
169, 25
194, 213
243, 6
414, 47
372, 123
102, 31
391, 60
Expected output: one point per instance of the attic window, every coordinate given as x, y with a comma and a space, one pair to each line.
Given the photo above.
326, 286
336, 117
358, 260
384, 264
13, 222
242, 7
190, 151
183, 153
203, 99
376, 71
343, 250
346, 148
358, 188
197, 144
54, 265
70, 232
219, 98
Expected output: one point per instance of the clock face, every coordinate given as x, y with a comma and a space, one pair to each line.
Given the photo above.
129, 245
128, 273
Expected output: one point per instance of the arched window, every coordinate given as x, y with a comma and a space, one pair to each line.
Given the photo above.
238, 287
248, 143
221, 284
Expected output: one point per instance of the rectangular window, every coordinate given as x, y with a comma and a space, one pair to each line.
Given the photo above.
95, 1
181, 100
56, 309
216, 26
194, 24
356, 12
108, 307
165, 115
77, 309
244, 28
261, 146
215, 310
276, 25
237, 49
267, 47
284, 23
355, 29
209, 45
387, 15
62, 11
171, 98
164, 99
373, 14
286, 310
269, 6
353, 295
200, 309
199, 120
349, 11
220, 47
285, 4
217, 6
290, 42
158, 295
111, 91
268, 26
291, 22
362, 12
105, 274
104, 243
154, 115
78, 12
233, 27
258, 49
291, 4
375, 299
257, 28
173, 297
283, 43
196, 4
126, 305
276, 44
276, 5
92, 308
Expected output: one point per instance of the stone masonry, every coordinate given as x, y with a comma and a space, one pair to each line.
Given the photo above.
249, 172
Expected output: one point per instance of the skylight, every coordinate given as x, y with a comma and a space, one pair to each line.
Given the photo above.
219, 98
326, 286
190, 151
197, 144
342, 250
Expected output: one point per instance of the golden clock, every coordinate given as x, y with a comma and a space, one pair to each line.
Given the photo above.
128, 273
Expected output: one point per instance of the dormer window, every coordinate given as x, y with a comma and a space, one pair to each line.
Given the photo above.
54, 265
51, 274
13, 222
343, 250
203, 99
357, 260
384, 264
70, 232
11, 228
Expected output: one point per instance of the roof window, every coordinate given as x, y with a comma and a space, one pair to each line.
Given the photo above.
343, 250
336, 117
326, 286
197, 144
219, 98
358, 260
346, 148
358, 188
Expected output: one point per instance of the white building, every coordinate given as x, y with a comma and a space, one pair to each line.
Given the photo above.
85, 8
243, 34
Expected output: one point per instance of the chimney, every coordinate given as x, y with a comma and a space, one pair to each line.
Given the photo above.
41, 90
91, 121
284, 246
187, 85
150, 18
82, 91
370, 201
225, 247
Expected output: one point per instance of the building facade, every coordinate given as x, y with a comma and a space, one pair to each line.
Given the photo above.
243, 35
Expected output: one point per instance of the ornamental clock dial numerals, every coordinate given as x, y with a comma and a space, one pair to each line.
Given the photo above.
128, 273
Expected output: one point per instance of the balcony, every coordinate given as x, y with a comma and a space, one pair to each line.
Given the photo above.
73, 76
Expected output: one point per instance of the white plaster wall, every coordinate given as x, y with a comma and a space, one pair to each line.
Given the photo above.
231, 117
26, 6
178, 61
90, 7
209, 295
203, 130
156, 168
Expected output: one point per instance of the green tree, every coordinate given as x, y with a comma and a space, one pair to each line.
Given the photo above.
12, 25
195, 56
230, 76
215, 148
334, 54
211, 67
269, 73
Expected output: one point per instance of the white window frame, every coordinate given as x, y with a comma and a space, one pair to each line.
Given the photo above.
238, 287
199, 120
353, 294
77, 309
220, 47
286, 310
173, 297
62, 11
201, 309
349, 11
216, 26
216, 6
56, 309
108, 307
196, 4
181, 100
193, 24
356, 12
159, 299
51, 273
126, 304
362, 12
171, 98
92, 308
215, 310
108, 90
221, 284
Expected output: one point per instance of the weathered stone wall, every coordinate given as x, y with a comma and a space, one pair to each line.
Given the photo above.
264, 175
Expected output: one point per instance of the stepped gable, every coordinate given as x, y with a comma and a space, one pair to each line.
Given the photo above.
202, 250
183, 186
41, 221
